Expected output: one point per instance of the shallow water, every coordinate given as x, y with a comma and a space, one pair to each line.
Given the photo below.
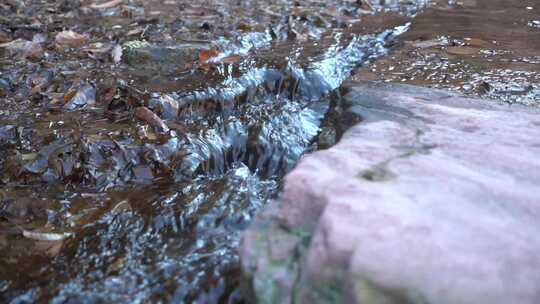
488, 48
131, 180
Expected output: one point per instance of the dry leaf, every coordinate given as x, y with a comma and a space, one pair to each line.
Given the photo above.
71, 39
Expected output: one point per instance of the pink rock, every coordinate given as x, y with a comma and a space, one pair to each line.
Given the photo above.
433, 198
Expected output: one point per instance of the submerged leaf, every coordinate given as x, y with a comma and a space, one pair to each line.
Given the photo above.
206, 55
230, 59
86, 95
106, 5
45, 236
145, 114
462, 50
71, 39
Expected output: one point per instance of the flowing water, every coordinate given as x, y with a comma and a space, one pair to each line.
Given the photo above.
102, 200
129, 179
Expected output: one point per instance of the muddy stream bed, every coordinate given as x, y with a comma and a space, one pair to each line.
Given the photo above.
139, 138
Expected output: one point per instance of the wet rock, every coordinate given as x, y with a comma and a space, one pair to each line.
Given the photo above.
167, 60
432, 198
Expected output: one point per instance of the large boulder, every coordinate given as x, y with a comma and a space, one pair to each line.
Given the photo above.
432, 198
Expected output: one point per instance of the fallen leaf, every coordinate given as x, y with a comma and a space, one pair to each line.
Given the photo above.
71, 39
244, 27
50, 248
230, 59
98, 48
429, 43
4, 36
206, 55
29, 156
177, 127
17, 44
86, 95
106, 5
462, 50
33, 51
45, 236
117, 264
27, 49
116, 54
108, 95
69, 95
478, 42
145, 114
135, 31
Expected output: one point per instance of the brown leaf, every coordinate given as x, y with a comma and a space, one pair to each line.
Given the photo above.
462, 50
206, 55
230, 59
33, 51
177, 127
244, 27
69, 95
28, 49
49, 248
478, 42
4, 36
106, 5
108, 95
86, 95
146, 115
71, 39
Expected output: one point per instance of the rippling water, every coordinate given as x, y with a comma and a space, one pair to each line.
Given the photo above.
99, 206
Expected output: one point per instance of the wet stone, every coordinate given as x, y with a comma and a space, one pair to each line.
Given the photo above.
144, 57
427, 180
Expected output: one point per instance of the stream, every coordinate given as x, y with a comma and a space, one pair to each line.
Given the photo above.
131, 162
